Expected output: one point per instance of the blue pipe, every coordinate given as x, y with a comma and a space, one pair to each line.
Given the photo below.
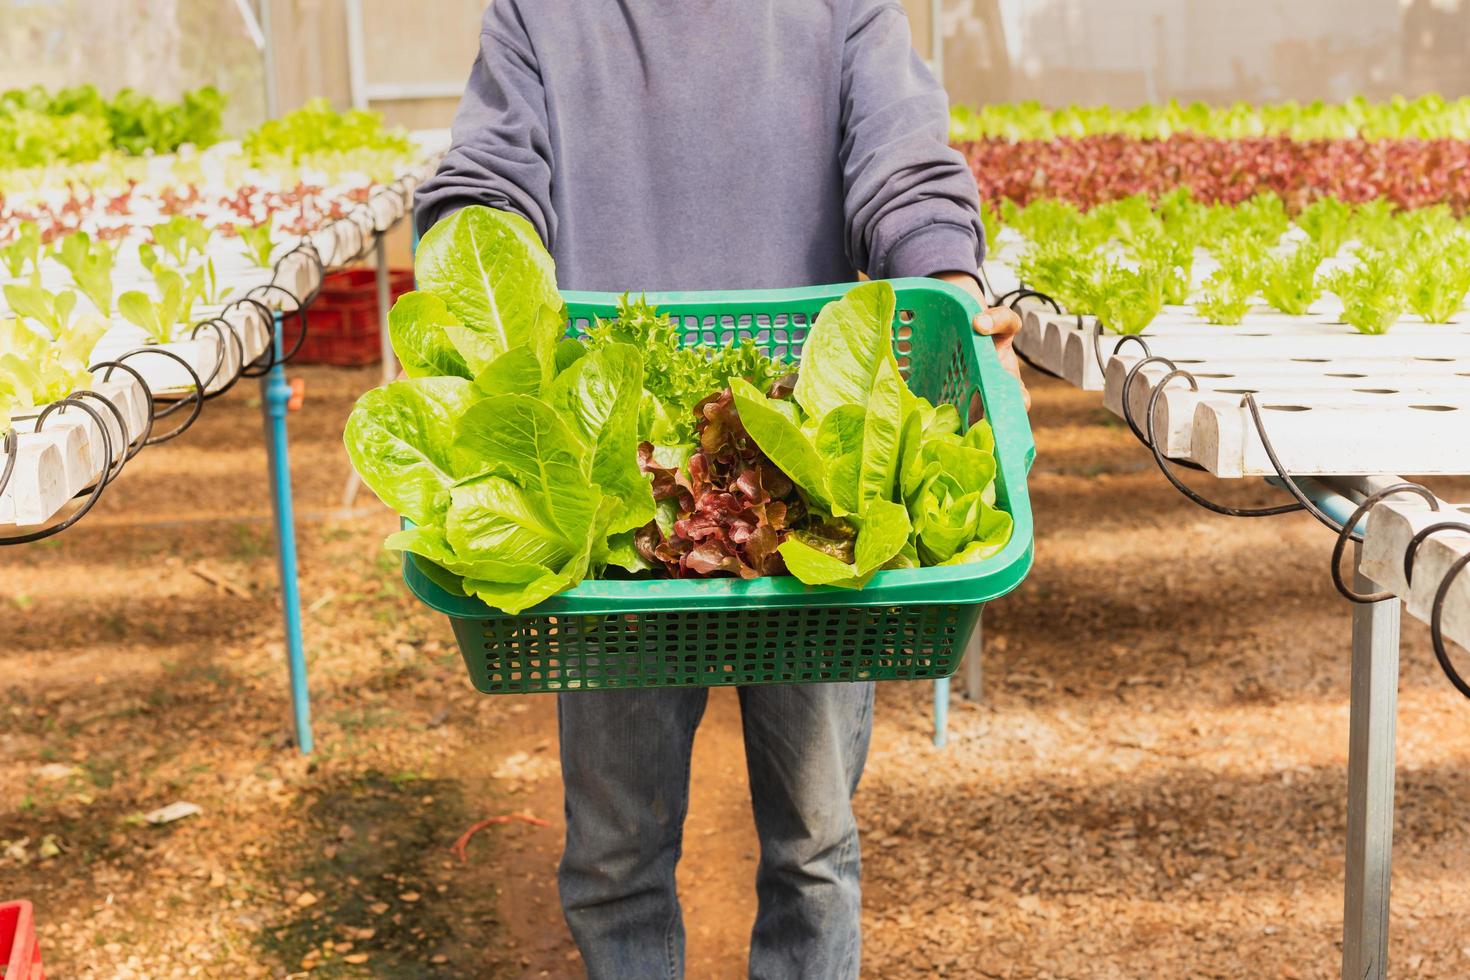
275, 393
1329, 501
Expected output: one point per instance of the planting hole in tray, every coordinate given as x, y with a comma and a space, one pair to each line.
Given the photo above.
1311, 360
1202, 374
1344, 374
1437, 360
1376, 391
905, 316
1286, 408
1434, 408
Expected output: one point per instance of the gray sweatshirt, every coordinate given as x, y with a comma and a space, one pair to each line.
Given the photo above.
711, 144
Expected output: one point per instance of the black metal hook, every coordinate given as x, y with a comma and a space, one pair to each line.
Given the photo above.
255, 368
115, 465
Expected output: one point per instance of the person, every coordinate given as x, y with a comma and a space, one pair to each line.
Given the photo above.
715, 144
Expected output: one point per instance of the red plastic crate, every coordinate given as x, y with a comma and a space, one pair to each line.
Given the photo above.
342, 325
20, 954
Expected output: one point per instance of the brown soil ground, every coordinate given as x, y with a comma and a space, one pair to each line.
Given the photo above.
1153, 784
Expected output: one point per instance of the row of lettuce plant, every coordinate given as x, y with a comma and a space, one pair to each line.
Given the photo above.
1428, 117
1125, 260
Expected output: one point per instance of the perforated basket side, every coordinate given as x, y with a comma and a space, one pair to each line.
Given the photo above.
528, 654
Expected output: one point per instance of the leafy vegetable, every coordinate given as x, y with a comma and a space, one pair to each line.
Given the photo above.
1426, 117
1372, 292
1225, 298
90, 265
51, 310
1128, 300
1289, 281
181, 237
258, 244
41, 128
1438, 278
679, 378
724, 508
528, 463
36, 369
22, 249
525, 480
317, 135
158, 317
1327, 222
891, 470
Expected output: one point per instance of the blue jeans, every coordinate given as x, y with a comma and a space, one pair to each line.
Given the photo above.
625, 764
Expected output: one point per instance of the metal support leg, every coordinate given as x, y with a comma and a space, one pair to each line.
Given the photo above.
1370, 786
274, 394
970, 668
941, 712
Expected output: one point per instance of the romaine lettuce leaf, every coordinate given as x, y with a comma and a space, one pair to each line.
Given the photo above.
882, 432
783, 442
516, 372
498, 281
419, 326
599, 395
841, 355
400, 438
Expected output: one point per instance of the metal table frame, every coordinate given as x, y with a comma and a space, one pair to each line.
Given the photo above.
1372, 730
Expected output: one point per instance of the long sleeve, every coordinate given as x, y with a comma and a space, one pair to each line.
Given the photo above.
910, 201
500, 152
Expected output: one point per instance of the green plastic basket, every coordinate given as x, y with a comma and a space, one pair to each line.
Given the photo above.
907, 624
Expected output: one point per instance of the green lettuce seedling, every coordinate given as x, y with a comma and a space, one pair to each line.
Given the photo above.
1372, 292
1225, 298
1438, 278
258, 244
1126, 301
90, 265
203, 283
22, 250
181, 237
1289, 281
158, 317
1327, 222
51, 310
